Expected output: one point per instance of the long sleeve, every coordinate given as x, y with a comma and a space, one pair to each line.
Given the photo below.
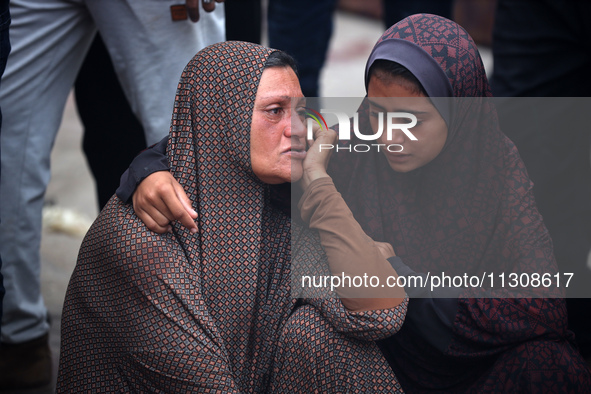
149, 161
351, 253
308, 260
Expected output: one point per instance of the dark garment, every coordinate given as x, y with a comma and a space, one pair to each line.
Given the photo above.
4, 51
396, 10
113, 135
149, 161
434, 311
470, 210
243, 20
312, 21
542, 48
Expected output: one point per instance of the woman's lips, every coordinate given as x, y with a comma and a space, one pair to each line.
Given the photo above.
296, 153
398, 157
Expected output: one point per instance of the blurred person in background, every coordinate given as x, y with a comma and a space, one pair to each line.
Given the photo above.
50, 39
4, 51
313, 20
113, 135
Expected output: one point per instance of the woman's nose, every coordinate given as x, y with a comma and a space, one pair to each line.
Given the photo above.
296, 127
397, 136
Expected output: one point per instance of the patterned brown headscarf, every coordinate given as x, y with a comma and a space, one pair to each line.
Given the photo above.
243, 244
183, 312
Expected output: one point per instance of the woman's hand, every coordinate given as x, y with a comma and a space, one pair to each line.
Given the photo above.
159, 199
318, 155
193, 7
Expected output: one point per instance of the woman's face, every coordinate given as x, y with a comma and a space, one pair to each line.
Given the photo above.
277, 135
430, 130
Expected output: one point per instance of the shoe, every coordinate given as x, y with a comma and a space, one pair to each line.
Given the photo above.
25, 365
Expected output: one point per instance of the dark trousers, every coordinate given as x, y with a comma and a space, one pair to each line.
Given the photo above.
113, 136
302, 29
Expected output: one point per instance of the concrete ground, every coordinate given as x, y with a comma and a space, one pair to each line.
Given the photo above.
72, 188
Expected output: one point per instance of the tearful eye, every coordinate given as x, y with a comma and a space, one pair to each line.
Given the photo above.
274, 111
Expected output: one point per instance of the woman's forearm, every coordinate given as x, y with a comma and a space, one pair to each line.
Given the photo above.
355, 258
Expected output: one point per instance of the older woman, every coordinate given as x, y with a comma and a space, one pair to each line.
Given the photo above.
203, 310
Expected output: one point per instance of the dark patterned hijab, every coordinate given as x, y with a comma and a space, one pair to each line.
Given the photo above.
470, 210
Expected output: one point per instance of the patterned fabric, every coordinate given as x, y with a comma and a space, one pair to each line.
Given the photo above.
197, 313
310, 345
182, 312
324, 348
470, 210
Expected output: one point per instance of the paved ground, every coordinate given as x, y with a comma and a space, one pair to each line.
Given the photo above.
72, 188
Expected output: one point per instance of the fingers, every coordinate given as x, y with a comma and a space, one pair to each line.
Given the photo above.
322, 136
160, 199
208, 5
185, 201
315, 129
317, 157
193, 9
152, 217
176, 208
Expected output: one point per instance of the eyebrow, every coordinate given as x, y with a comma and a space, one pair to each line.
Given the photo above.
281, 97
411, 111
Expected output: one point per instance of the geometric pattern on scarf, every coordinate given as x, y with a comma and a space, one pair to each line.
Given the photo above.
242, 247
470, 210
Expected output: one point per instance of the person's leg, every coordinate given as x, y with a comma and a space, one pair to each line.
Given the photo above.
302, 29
4, 51
113, 135
243, 20
149, 52
314, 357
541, 48
49, 40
